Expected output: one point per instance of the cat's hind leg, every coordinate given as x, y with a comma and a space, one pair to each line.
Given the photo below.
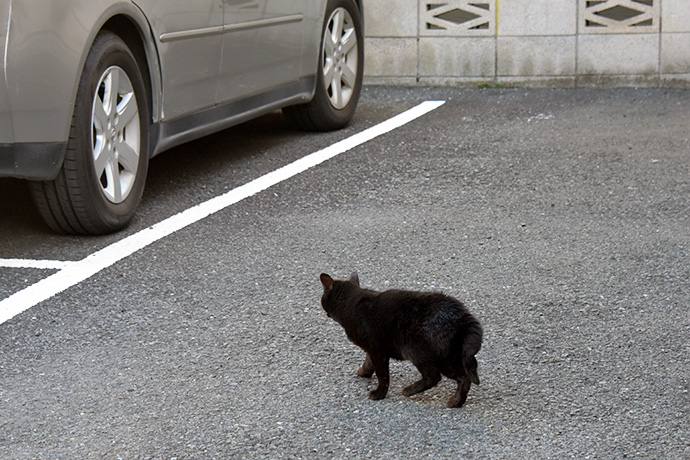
453, 368
367, 369
430, 378
460, 396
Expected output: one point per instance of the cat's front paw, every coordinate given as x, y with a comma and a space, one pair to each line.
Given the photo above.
377, 394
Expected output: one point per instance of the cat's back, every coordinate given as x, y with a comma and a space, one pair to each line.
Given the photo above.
418, 300
422, 307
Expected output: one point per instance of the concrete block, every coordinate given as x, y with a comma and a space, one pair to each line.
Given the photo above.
537, 17
536, 56
390, 57
391, 18
390, 81
618, 81
675, 16
676, 80
462, 82
635, 54
458, 57
675, 53
537, 82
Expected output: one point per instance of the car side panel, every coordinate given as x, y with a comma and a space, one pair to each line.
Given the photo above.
313, 23
45, 42
263, 45
188, 36
48, 42
6, 131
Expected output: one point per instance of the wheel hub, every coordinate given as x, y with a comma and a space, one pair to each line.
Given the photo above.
340, 58
115, 120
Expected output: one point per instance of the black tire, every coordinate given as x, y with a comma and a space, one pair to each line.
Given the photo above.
81, 200
322, 113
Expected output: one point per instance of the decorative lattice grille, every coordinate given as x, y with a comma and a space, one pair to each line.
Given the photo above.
458, 17
619, 16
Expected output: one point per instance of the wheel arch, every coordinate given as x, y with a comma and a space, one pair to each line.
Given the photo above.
129, 23
360, 7
142, 46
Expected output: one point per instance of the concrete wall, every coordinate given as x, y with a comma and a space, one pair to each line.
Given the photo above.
555, 43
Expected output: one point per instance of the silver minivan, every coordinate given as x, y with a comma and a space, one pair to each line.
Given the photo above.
90, 90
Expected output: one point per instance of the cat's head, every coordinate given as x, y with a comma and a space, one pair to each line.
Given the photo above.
335, 291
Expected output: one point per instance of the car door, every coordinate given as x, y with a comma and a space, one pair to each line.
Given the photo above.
262, 46
189, 39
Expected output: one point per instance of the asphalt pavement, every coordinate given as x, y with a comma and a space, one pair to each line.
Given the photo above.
561, 218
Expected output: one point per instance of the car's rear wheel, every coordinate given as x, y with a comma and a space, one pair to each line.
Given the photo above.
341, 68
102, 177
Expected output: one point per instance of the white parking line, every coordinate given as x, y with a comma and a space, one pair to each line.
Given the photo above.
32, 263
75, 272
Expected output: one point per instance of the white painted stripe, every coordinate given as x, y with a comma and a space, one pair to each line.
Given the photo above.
76, 272
33, 263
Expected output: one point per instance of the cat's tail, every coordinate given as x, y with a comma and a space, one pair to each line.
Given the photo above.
472, 342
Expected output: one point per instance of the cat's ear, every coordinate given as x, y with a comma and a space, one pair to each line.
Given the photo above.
354, 278
327, 282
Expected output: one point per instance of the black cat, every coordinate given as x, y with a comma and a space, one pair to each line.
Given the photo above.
433, 331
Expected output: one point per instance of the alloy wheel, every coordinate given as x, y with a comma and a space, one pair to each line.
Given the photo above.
340, 61
115, 134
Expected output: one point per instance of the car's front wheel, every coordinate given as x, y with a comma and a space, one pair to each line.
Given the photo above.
340, 72
102, 177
